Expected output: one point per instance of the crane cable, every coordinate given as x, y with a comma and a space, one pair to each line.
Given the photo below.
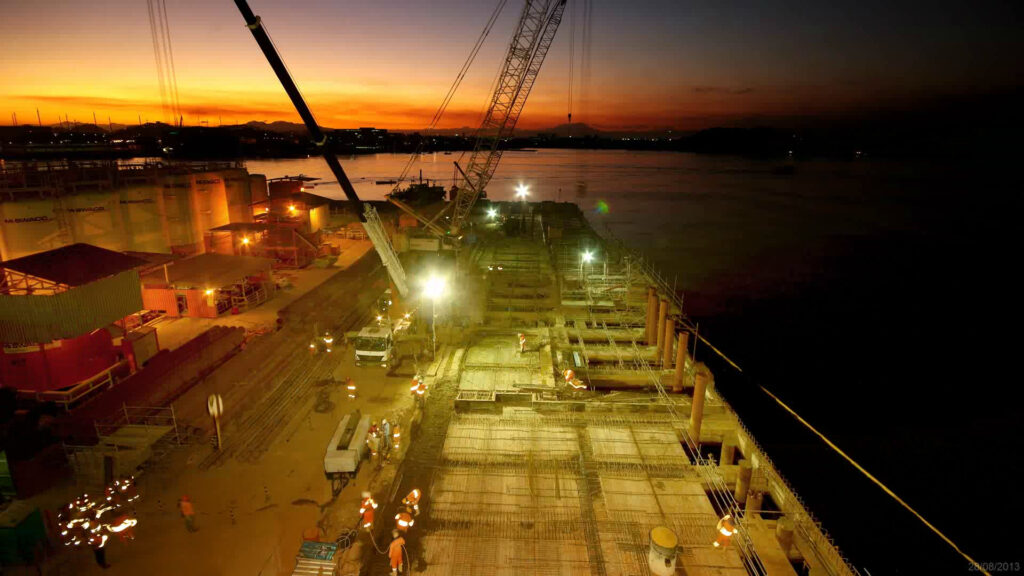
876, 481
163, 55
161, 82
439, 113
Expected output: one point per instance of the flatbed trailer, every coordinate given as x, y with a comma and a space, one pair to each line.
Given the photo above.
346, 450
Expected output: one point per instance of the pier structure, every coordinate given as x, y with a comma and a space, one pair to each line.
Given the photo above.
525, 473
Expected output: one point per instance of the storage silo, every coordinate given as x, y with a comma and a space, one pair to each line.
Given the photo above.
239, 195
209, 202
95, 218
29, 226
176, 190
257, 188
142, 216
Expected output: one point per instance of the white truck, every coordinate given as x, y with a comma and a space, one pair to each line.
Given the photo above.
375, 343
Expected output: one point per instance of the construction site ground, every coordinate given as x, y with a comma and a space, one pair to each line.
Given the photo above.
520, 473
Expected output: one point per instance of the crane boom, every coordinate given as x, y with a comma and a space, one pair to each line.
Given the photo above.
537, 26
366, 212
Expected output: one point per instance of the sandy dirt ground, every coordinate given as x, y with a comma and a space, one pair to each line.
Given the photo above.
254, 506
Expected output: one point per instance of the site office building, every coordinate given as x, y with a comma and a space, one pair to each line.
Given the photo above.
69, 315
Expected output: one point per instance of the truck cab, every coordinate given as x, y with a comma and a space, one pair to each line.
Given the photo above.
374, 346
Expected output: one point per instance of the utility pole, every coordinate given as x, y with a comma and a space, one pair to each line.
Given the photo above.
39, 118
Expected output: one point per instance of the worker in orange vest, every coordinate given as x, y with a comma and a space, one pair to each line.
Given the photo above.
726, 528
366, 510
188, 512
418, 388
522, 343
396, 436
568, 374
350, 385
412, 501
404, 521
395, 550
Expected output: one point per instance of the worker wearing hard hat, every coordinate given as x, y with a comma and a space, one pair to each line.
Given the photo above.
522, 343
396, 436
373, 440
412, 501
418, 388
404, 521
726, 528
350, 385
395, 550
366, 511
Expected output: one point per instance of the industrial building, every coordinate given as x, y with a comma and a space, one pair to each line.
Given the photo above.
208, 285
139, 207
68, 321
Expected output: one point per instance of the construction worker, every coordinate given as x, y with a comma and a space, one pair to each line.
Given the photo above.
373, 440
726, 528
418, 388
412, 501
395, 550
188, 512
396, 436
404, 521
366, 509
569, 375
385, 436
350, 385
522, 343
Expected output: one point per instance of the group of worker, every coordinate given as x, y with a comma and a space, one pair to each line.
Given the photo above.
404, 520
382, 439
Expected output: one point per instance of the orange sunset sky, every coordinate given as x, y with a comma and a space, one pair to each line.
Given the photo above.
653, 64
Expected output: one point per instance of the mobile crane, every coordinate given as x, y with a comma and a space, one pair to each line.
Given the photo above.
531, 40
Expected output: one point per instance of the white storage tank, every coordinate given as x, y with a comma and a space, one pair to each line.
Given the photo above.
176, 190
143, 219
239, 195
257, 187
209, 202
95, 218
29, 226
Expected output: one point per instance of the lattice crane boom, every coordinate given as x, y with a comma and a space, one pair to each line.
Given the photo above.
537, 26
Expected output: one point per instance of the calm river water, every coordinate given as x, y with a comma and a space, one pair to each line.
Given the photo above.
871, 295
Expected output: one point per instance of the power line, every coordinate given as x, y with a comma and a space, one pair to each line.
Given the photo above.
876, 481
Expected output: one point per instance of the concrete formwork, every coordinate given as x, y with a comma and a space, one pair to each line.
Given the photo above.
568, 481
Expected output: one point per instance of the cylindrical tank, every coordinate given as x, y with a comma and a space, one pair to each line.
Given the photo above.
209, 202
177, 202
661, 555
142, 217
29, 226
95, 218
239, 195
257, 187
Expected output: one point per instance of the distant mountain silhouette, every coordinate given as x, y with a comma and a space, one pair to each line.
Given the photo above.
279, 126
576, 129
